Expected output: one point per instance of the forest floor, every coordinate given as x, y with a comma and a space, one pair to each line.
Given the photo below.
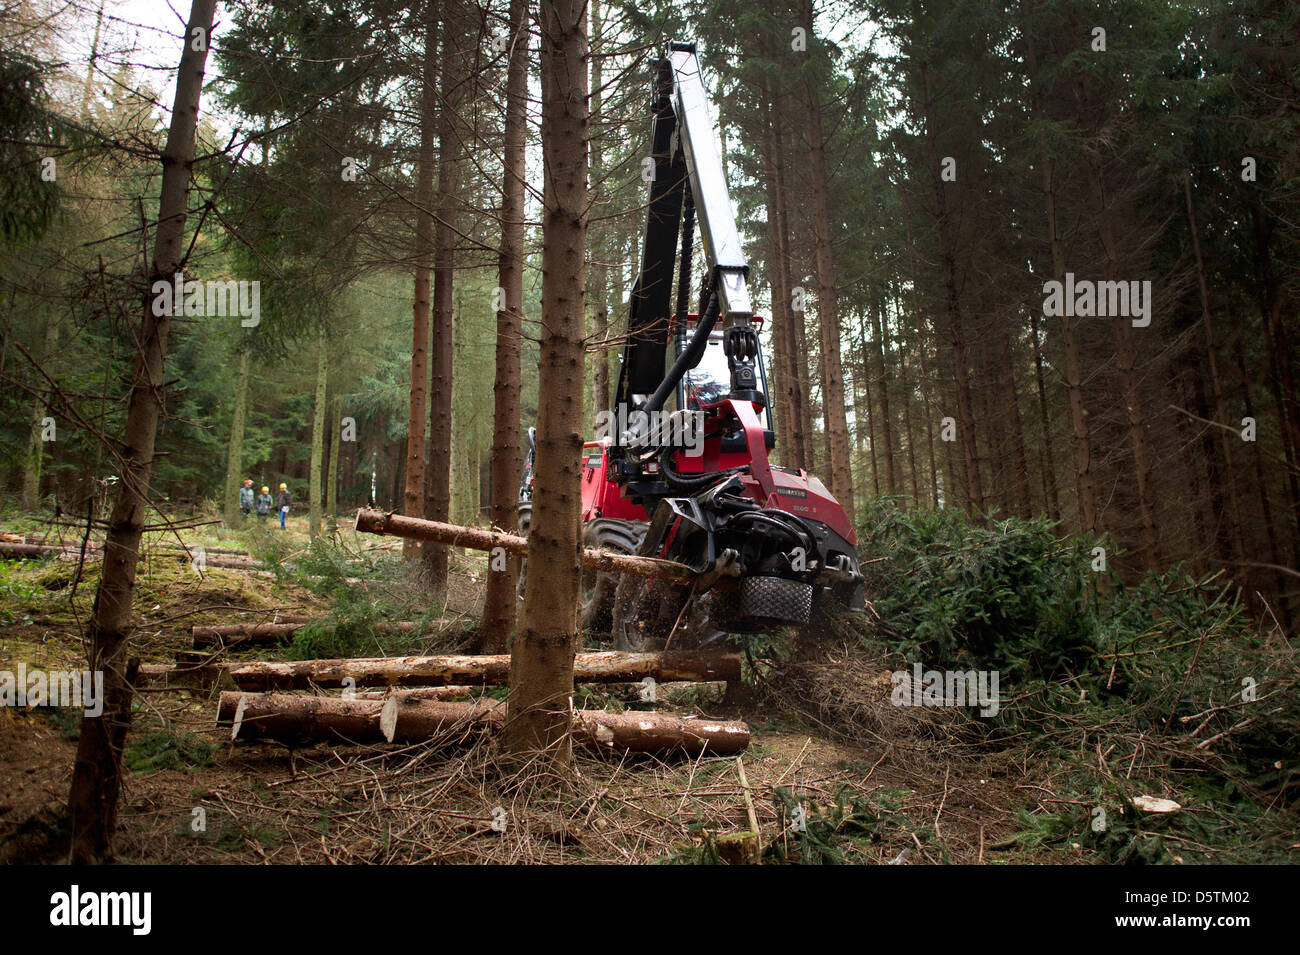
835, 771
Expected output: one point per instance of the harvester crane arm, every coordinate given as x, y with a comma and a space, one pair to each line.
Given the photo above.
686, 153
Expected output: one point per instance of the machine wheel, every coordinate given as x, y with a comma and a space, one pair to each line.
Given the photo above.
646, 609
598, 588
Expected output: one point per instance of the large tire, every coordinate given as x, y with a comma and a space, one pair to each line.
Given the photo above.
598, 588
645, 609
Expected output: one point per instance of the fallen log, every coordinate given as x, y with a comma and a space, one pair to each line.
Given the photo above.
230, 633
178, 676
12, 549
73, 552
476, 538
400, 719
419, 693
603, 667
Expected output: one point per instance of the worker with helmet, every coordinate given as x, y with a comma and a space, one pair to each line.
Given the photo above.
246, 498
284, 502
264, 502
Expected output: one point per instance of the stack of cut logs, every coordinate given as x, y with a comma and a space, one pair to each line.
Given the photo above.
414, 704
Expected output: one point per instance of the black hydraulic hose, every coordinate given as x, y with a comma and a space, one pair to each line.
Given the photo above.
687, 359
692, 482
766, 517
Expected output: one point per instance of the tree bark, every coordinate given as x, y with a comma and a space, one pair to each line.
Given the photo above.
1080, 436
1051, 501
783, 316
499, 600
1225, 433
960, 366
96, 775
801, 410
317, 489
404, 719
609, 666
878, 328
235, 453
541, 669
417, 421
454, 535
833, 412
437, 476
332, 471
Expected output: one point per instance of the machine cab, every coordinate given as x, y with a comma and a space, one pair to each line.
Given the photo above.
710, 380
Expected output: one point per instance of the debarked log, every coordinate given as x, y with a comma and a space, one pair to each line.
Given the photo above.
293, 719
476, 538
608, 666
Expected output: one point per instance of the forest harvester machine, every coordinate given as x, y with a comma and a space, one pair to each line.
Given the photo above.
681, 469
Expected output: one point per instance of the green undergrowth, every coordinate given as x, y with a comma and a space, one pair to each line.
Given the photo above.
1164, 686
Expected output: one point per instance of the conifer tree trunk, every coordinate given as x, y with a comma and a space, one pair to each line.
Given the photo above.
800, 413
833, 412
960, 367
96, 775
541, 664
437, 477
887, 431
1080, 437
417, 421
1225, 434
332, 471
499, 601
317, 489
1051, 500
235, 450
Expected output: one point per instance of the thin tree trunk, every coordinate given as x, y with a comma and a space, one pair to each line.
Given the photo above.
960, 367
1279, 359
499, 601
923, 334
785, 358
800, 414
437, 477
541, 665
36, 441
868, 405
1265, 505
1080, 437
317, 488
332, 472
96, 775
235, 450
1137, 436
1051, 502
417, 421
833, 412
1019, 489
887, 430
1225, 434
906, 387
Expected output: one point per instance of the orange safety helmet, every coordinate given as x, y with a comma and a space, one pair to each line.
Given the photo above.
248, 482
